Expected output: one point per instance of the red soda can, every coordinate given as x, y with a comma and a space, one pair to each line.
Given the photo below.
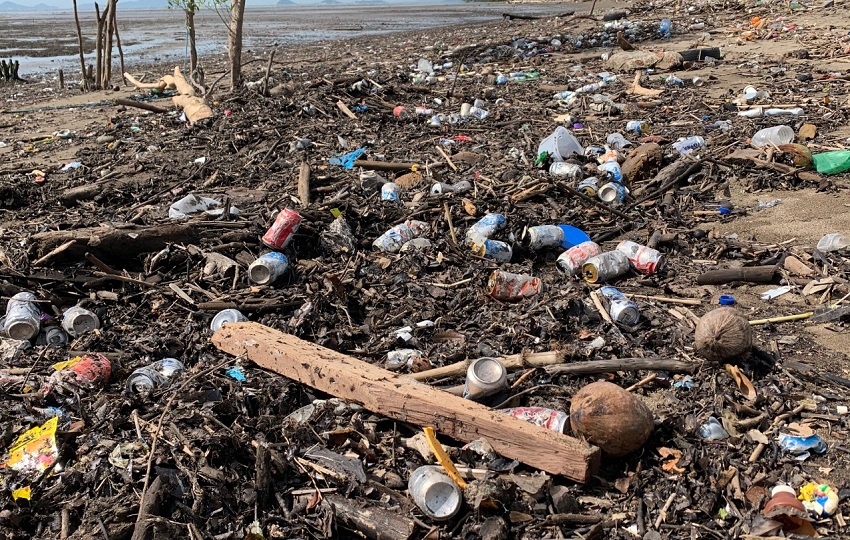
541, 416
571, 261
84, 372
283, 229
644, 259
512, 287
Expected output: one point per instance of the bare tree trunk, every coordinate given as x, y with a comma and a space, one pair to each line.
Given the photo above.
118, 42
109, 15
99, 47
193, 50
85, 82
234, 43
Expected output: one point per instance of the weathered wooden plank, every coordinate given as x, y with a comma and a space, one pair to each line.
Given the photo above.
402, 398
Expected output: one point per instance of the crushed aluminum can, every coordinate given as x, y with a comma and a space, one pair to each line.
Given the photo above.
226, 316
484, 377
611, 170
512, 287
392, 240
84, 372
493, 249
605, 267
77, 321
544, 236
52, 336
588, 186
563, 169
157, 375
23, 318
571, 261
283, 229
541, 416
391, 192
485, 228
688, 144
644, 259
638, 126
459, 187
613, 192
337, 237
268, 268
404, 357
621, 309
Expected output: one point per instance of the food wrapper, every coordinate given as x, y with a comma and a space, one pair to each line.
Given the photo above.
34, 452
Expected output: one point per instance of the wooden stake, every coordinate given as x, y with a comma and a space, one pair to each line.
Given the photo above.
400, 397
304, 183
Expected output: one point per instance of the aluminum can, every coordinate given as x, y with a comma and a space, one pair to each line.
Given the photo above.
621, 309
644, 259
588, 186
571, 261
512, 287
391, 192
438, 496
611, 170
400, 112
459, 187
283, 229
613, 192
688, 144
424, 111
226, 316
541, 416
605, 267
485, 228
23, 318
90, 371
52, 336
466, 109
157, 375
493, 249
268, 268
638, 126
485, 377
392, 240
545, 236
77, 321
563, 169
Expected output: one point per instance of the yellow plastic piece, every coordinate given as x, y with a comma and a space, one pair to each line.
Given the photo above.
443, 458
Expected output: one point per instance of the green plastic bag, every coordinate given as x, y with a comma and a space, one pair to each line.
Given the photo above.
832, 162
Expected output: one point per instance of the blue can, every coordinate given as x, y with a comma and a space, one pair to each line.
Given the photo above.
613, 192
588, 186
391, 192
621, 309
485, 228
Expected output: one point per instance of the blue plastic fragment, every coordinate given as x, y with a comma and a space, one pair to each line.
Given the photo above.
347, 160
237, 374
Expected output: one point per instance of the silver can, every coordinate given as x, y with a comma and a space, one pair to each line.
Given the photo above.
268, 268
605, 267
644, 259
404, 357
77, 321
391, 192
23, 318
52, 336
571, 261
621, 309
157, 375
485, 377
611, 170
485, 228
226, 316
545, 236
459, 187
613, 192
438, 496
392, 240
493, 249
588, 186
562, 169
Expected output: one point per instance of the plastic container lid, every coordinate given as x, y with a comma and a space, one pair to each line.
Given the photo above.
573, 236
726, 300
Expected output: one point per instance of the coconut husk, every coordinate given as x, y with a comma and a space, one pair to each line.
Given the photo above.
616, 421
722, 335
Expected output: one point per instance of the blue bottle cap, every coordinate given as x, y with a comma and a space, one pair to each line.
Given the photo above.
726, 300
572, 236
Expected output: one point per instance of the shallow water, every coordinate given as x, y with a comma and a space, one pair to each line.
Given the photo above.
47, 41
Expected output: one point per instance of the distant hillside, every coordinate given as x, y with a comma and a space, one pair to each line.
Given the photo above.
286, 3
11, 6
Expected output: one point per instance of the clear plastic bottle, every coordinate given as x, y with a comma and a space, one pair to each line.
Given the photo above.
773, 135
688, 144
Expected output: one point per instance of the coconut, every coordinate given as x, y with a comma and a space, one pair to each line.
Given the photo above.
616, 421
722, 334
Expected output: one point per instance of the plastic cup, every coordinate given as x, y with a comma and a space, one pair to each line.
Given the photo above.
560, 145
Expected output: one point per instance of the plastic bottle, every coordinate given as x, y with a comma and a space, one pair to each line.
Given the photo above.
834, 162
688, 144
832, 242
773, 135
665, 27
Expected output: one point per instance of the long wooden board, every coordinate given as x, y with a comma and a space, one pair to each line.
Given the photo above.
402, 398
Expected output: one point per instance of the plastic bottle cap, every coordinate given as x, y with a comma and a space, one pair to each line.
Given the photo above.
726, 300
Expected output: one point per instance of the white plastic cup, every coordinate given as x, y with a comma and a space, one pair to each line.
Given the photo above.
268, 268
560, 145
226, 316
437, 495
484, 377
773, 135
77, 321
23, 318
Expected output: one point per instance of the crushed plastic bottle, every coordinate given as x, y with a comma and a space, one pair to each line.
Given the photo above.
832, 242
773, 135
800, 446
712, 430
